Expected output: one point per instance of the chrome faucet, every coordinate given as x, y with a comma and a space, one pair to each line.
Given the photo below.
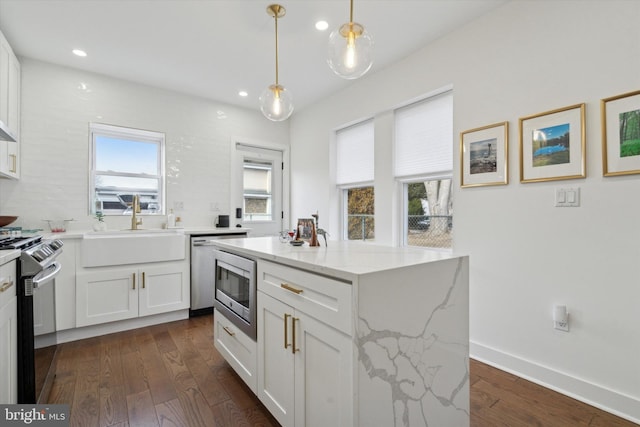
135, 209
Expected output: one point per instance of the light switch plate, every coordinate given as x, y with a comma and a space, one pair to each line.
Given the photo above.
567, 197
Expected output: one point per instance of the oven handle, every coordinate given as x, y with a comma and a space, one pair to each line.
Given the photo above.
51, 272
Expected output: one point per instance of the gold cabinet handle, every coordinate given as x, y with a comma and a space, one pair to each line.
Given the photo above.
134, 281
226, 329
14, 160
286, 335
290, 288
5, 286
144, 284
293, 335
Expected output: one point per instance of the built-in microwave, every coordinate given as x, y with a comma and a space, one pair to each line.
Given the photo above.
235, 290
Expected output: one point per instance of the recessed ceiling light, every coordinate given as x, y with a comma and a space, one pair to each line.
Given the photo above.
322, 25
79, 52
243, 93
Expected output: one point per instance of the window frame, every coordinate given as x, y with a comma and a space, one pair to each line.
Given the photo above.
137, 135
344, 208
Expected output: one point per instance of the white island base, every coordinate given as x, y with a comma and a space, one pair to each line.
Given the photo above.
381, 334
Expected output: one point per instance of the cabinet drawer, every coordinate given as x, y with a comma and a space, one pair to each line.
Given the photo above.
326, 299
8, 283
237, 348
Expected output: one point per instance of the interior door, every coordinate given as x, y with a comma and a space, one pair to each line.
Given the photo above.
259, 190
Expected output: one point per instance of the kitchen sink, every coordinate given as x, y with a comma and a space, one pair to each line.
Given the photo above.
121, 247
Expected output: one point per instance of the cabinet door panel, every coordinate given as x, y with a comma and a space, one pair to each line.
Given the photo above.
8, 352
323, 377
275, 362
163, 289
105, 297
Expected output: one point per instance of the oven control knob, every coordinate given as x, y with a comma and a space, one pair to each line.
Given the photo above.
56, 244
38, 255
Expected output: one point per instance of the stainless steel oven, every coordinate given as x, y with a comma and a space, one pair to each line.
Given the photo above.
36, 270
235, 290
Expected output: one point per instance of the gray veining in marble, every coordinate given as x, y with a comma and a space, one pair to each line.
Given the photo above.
424, 371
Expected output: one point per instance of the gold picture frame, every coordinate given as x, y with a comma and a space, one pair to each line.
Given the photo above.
620, 116
553, 145
484, 154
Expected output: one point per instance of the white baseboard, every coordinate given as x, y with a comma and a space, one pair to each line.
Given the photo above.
123, 325
619, 404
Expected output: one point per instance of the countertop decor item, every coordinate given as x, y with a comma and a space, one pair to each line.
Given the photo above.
58, 225
276, 101
6, 220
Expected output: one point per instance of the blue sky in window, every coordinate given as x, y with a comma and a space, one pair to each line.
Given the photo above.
121, 155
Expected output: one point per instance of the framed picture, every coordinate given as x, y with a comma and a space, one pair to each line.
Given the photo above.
483, 156
552, 145
621, 134
306, 228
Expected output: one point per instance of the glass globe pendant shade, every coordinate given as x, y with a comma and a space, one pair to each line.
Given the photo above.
276, 103
350, 51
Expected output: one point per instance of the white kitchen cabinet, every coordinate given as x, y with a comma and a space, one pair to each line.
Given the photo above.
10, 82
115, 293
237, 348
8, 334
304, 364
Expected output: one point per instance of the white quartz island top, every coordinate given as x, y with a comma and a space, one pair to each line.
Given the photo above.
341, 259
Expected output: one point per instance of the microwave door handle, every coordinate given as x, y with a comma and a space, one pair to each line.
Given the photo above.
53, 269
231, 268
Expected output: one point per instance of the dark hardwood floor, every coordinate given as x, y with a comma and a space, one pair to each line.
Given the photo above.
171, 375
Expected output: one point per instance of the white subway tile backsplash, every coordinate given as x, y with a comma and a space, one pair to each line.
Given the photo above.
57, 105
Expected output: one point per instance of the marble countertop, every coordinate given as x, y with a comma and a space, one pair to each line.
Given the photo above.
8, 255
342, 259
190, 231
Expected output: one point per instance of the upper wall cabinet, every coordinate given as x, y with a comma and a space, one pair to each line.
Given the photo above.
9, 111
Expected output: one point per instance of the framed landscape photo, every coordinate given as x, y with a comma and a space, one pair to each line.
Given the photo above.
483, 156
553, 144
621, 134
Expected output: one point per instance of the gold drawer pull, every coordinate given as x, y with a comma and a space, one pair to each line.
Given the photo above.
228, 331
5, 286
290, 288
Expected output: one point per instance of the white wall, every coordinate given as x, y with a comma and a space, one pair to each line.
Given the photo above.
526, 255
58, 104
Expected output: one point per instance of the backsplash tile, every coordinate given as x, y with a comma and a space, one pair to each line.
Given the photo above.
57, 105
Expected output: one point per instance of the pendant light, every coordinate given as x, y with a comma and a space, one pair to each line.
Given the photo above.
276, 101
350, 50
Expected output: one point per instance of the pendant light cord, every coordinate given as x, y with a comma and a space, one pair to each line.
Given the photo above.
351, 13
276, 18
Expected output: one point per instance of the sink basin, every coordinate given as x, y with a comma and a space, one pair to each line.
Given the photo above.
121, 247
128, 232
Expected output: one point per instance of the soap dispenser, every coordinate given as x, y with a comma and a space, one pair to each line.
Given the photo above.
171, 220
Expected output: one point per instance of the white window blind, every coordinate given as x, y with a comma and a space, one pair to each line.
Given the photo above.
355, 147
424, 136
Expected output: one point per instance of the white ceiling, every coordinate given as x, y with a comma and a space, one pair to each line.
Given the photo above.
214, 48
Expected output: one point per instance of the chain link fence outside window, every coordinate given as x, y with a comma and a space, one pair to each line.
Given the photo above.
430, 231
360, 227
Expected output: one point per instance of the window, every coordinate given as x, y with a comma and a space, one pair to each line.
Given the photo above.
126, 162
429, 213
424, 163
257, 190
354, 176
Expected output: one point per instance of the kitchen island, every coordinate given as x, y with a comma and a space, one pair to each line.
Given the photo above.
355, 334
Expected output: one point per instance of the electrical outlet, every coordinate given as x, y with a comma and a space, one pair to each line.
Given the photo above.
562, 326
178, 206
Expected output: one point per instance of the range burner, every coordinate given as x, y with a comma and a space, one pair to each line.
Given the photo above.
21, 243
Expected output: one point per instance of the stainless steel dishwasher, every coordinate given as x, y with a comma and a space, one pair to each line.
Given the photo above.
202, 270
